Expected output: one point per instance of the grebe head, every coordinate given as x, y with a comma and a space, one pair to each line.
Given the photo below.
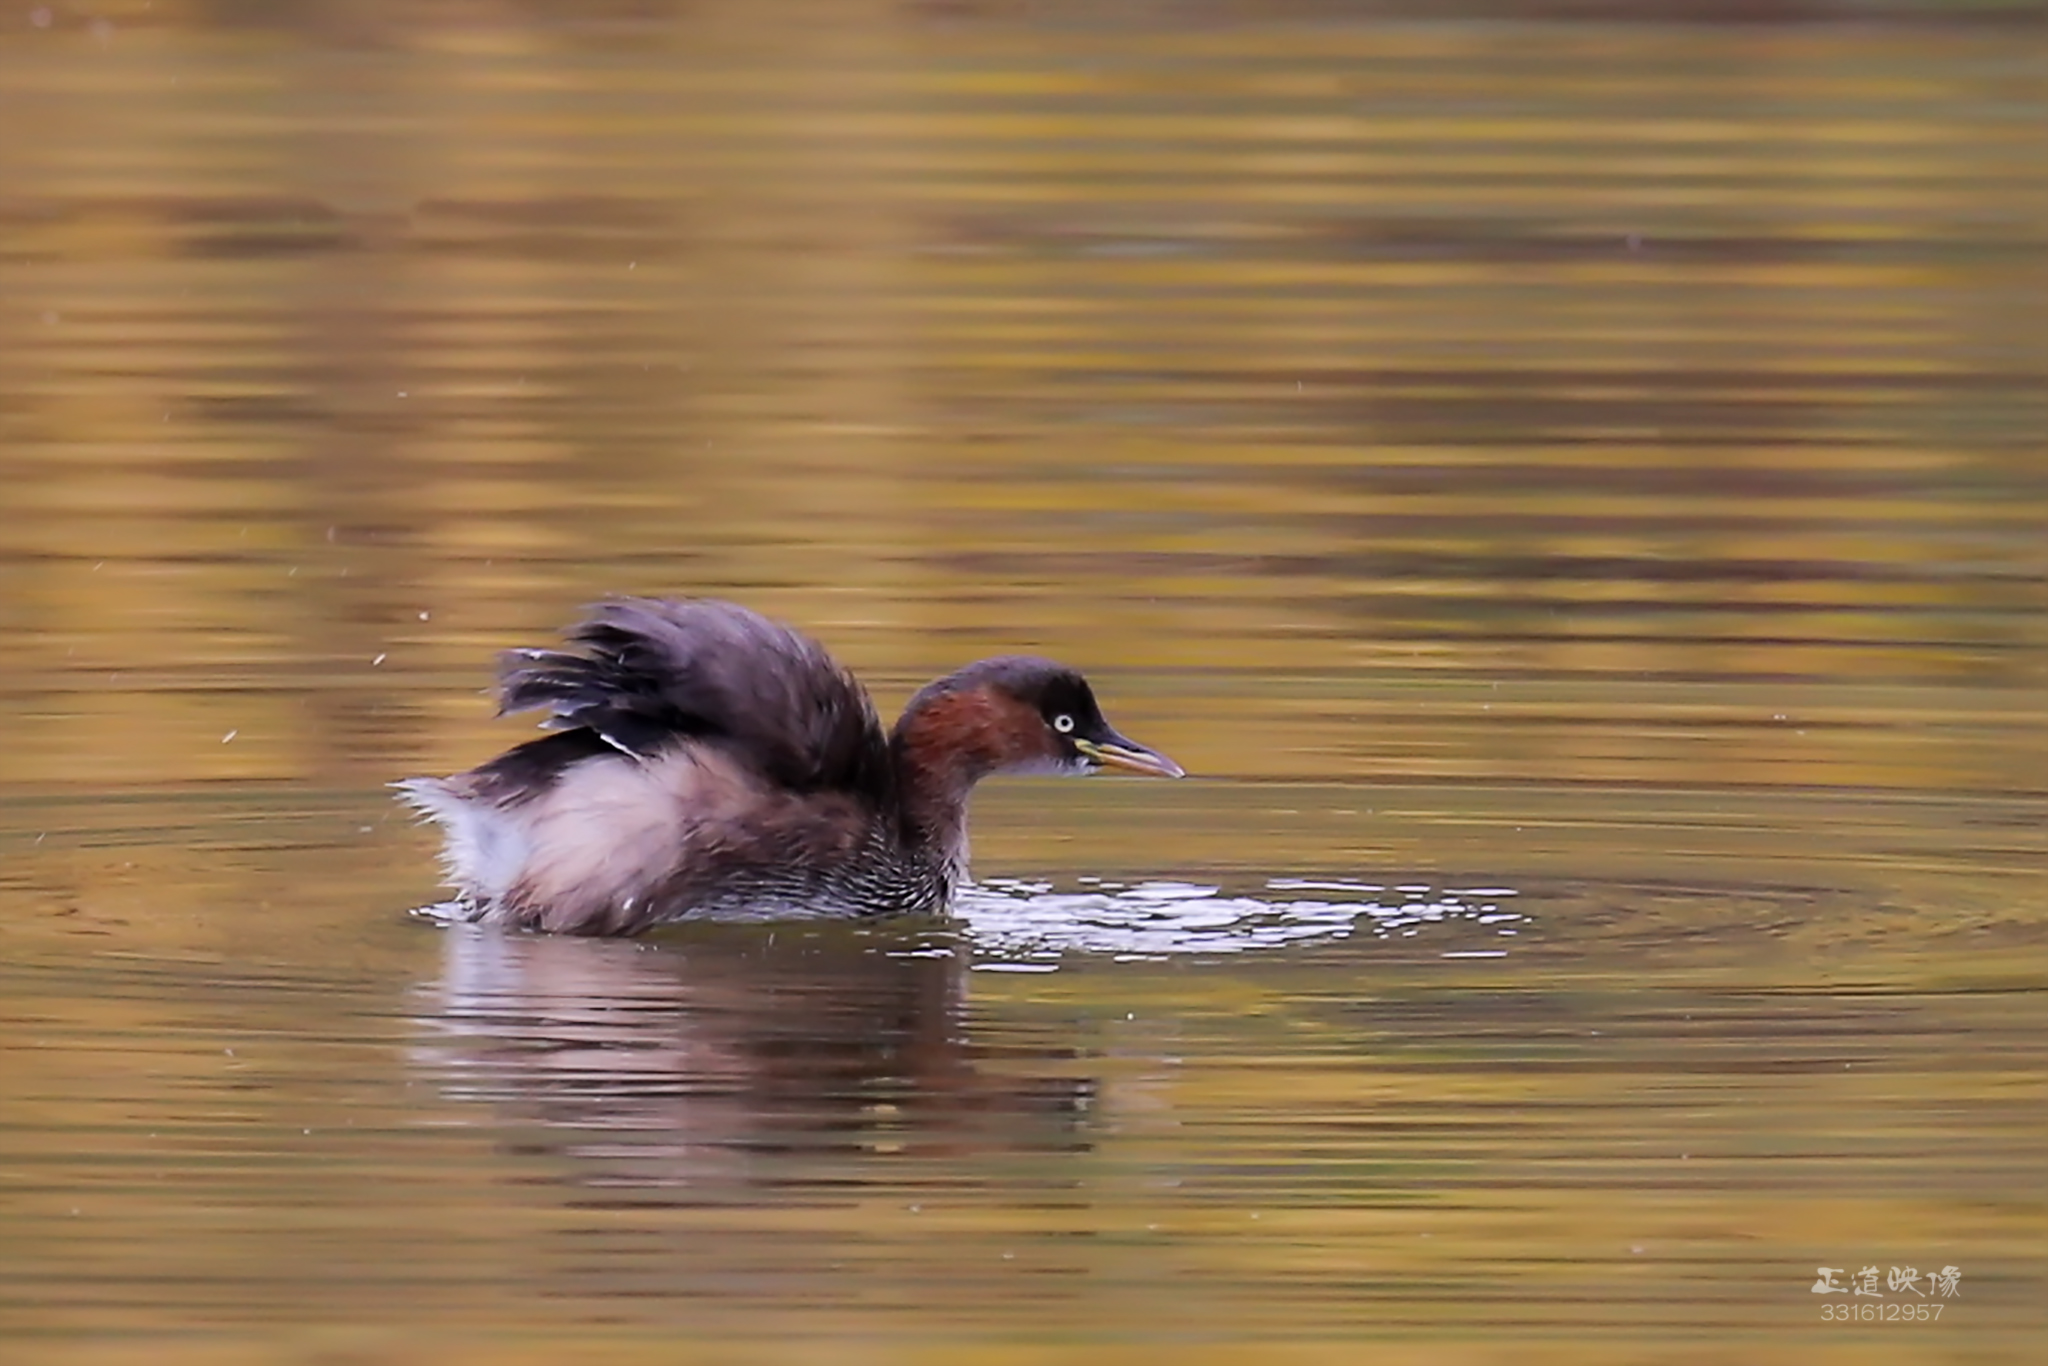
1019, 714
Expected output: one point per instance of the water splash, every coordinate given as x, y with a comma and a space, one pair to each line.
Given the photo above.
1022, 926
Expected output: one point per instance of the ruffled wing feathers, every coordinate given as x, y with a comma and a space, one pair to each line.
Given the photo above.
645, 674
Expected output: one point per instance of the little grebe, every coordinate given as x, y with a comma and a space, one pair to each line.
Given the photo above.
709, 762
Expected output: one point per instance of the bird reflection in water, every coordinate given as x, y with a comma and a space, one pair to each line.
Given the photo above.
737, 1056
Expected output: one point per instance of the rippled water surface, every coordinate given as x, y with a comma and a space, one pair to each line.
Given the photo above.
1572, 493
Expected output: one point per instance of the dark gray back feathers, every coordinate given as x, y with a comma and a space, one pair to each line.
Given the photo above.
646, 674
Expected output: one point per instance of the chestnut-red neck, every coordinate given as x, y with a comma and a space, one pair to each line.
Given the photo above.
949, 741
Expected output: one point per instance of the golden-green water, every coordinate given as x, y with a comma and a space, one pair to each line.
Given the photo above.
1572, 493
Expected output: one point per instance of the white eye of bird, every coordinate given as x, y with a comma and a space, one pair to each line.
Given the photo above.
1063, 723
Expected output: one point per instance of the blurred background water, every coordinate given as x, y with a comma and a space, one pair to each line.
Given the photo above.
1567, 479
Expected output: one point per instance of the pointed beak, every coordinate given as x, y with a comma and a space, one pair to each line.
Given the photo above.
1117, 752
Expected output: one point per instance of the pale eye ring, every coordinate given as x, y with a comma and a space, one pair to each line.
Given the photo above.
1063, 723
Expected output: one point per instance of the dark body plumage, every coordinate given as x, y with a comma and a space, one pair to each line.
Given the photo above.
709, 762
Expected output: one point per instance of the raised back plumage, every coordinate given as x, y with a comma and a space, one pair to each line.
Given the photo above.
647, 674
